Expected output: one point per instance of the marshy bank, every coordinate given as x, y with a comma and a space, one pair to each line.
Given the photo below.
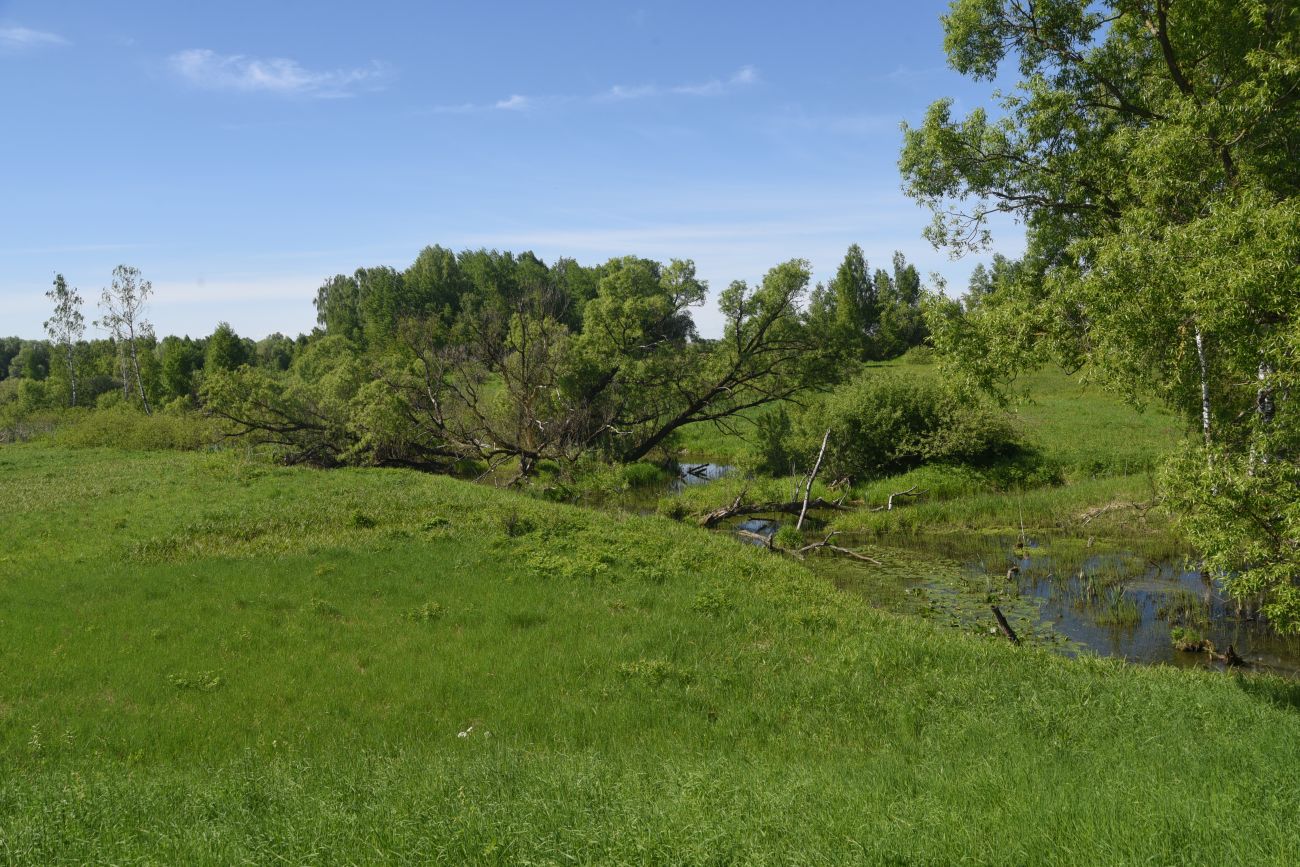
1130, 591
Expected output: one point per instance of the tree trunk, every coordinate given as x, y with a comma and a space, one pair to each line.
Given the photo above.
1264, 410
1205, 388
1004, 626
737, 508
126, 372
139, 380
812, 477
72, 374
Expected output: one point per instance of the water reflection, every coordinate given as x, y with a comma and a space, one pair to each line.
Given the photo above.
1119, 602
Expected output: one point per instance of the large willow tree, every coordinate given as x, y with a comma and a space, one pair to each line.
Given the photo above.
1152, 151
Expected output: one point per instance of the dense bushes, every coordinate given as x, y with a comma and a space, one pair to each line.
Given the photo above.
884, 423
127, 428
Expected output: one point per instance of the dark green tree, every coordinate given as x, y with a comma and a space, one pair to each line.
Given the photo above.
225, 350
275, 351
435, 283
178, 360
32, 361
856, 306
338, 307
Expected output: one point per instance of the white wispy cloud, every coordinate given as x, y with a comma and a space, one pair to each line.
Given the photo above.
620, 91
22, 38
515, 102
205, 68
743, 77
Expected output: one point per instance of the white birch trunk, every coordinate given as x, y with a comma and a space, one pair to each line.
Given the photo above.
1205, 389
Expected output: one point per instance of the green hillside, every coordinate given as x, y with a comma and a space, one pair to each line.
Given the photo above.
208, 659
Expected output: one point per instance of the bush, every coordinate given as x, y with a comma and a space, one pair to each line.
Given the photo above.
28, 408
919, 355
643, 474
887, 423
110, 399
772, 449
673, 508
788, 537
123, 427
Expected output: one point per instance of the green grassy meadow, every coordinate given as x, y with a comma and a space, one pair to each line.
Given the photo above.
208, 659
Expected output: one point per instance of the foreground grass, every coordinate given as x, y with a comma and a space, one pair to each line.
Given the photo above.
210, 660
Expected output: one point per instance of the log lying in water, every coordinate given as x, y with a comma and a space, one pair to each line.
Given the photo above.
793, 507
889, 504
826, 544
1228, 657
1087, 516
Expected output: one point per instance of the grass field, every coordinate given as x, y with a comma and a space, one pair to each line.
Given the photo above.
205, 659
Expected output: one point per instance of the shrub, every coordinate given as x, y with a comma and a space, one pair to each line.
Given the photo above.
772, 450
886, 423
643, 474
673, 508
788, 537
919, 355
1187, 640
127, 428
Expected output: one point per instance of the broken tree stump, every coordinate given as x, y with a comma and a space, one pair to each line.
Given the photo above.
1004, 626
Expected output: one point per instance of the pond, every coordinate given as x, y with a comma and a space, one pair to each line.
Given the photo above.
696, 474
1075, 595
1081, 597
1121, 599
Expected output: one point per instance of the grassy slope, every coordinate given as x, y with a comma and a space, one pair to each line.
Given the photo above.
1090, 431
208, 660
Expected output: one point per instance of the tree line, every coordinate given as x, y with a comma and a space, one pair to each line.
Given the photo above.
483, 356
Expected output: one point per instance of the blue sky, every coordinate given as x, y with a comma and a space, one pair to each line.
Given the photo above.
238, 153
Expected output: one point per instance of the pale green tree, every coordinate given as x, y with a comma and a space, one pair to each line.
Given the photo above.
66, 327
122, 305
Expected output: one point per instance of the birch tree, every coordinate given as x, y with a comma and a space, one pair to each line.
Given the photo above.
66, 327
122, 306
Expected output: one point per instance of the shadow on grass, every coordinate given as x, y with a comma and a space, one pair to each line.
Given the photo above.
1278, 691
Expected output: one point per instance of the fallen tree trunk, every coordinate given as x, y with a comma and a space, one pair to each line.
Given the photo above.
1088, 515
889, 505
793, 507
826, 544
765, 541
